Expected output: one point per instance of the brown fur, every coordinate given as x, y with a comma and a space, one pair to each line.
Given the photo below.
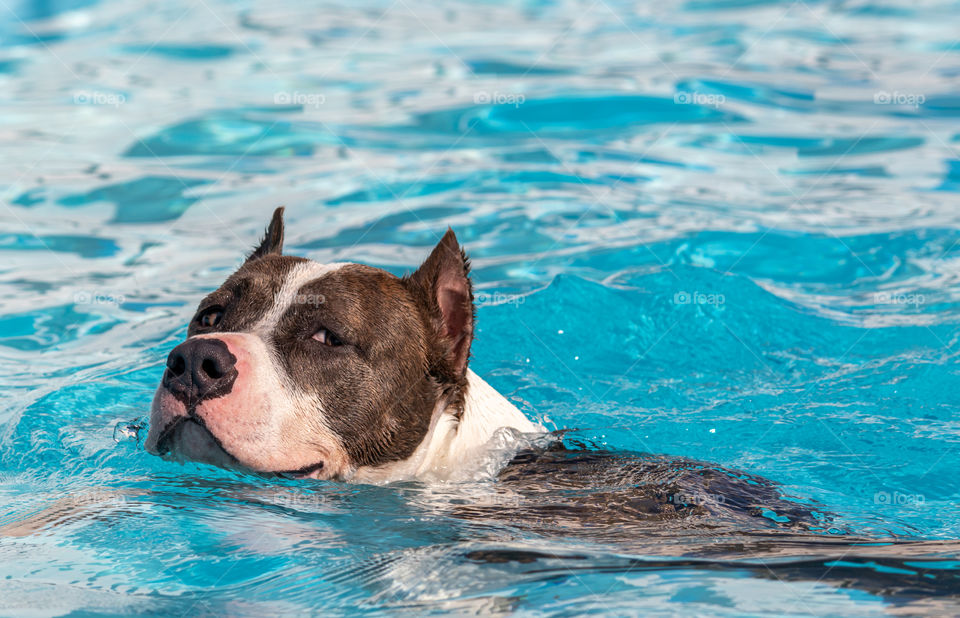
406, 342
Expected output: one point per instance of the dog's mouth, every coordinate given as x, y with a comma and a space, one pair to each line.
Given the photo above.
307, 472
187, 438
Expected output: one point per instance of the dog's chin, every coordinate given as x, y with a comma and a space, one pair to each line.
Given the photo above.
188, 440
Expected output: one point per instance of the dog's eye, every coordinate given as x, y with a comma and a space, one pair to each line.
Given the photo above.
327, 338
210, 317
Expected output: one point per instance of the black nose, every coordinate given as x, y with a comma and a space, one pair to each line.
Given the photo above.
199, 369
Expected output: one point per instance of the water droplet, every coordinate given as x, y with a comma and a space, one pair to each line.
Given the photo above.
125, 431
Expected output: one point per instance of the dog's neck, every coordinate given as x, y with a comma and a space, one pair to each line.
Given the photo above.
454, 441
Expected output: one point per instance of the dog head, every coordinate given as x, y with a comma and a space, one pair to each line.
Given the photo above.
315, 370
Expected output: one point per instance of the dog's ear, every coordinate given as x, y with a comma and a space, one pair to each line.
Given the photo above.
442, 287
272, 243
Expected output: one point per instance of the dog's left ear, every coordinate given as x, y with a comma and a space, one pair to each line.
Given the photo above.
272, 243
442, 286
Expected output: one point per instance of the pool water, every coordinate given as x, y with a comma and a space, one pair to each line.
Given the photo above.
725, 231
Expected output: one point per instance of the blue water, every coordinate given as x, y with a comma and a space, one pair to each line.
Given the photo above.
726, 231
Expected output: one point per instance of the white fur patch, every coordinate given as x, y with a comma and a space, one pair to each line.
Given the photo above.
452, 448
289, 294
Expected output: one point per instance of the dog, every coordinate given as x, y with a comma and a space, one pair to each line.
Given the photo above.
331, 371
346, 372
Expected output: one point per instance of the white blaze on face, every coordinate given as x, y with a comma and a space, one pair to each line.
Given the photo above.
289, 294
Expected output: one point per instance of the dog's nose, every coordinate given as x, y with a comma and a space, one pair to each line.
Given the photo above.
199, 369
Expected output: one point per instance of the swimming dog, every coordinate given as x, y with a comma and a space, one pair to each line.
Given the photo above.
347, 372
331, 371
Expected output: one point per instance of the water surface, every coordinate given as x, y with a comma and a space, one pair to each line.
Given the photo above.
723, 231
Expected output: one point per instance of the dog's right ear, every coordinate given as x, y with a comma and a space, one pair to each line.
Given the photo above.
272, 243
